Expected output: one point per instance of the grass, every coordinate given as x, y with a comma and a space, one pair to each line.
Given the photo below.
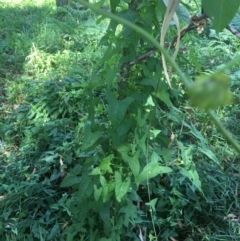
45, 54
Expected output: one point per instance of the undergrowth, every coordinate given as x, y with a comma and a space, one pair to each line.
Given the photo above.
90, 150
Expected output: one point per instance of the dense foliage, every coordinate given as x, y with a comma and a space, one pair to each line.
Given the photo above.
95, 144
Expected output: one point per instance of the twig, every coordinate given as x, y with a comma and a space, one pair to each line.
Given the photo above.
233, 31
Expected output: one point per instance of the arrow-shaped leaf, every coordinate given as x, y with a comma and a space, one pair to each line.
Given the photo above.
221, 12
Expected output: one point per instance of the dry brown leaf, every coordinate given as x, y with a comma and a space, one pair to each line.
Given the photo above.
232, 217
64, 225
170, 13
140, 234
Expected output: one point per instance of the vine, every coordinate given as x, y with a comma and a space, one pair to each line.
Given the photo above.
186, 81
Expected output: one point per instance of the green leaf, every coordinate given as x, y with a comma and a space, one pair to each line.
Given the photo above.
149, 101
107, 190
183, 14
209, 154
204, 149
76, 169
164, 97
152, 204
152, 169
97, 192
105, 165
167, 154
133, 161
141, 141
70, 180
192, 175
54, 232
90, 138
150, 82
96, 171
142, 118
154, 133
121, 188
85, 187
117, 108
113, 4
221, 12
50, 157
124, 127
196, 133
103, 181
210, 92
154, 158
186, 153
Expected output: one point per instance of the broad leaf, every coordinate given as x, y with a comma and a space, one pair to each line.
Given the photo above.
106, 164
85, 187
124, 127
117, 108
198, 134
183, 14
164, 97
149, 101
121, 188
152, 169
103, 181
209, 154
141, 141
90, 138
186, 153
221, 12
133, 161
152, 204
97, 192
192, 175
107, 191
70, 180
113, 4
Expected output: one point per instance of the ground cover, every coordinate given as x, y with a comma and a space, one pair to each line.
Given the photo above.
93, 146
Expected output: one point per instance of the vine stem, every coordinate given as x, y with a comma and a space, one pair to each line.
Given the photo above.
228, 135
184, 78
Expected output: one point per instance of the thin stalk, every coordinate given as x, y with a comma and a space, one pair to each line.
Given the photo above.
227, 135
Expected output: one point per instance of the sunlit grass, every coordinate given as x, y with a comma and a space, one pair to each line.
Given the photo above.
24, 3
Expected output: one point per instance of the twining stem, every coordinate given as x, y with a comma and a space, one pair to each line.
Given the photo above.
228, 135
